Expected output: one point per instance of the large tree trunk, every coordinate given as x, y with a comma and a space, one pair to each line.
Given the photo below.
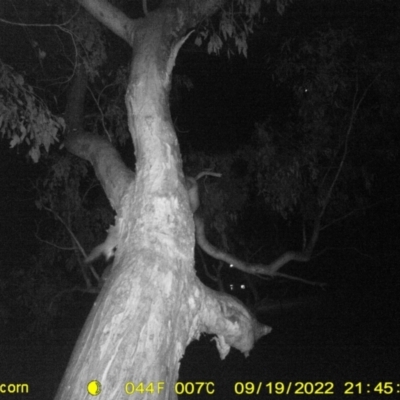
152, 305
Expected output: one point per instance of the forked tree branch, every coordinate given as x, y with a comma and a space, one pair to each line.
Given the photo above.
254, 269
317, 221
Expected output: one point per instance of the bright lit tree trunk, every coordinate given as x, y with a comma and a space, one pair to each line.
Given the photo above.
152, 305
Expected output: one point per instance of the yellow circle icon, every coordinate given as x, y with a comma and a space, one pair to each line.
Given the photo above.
94, 388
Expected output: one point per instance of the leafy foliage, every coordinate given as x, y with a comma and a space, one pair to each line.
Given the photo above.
24, 118
233, 26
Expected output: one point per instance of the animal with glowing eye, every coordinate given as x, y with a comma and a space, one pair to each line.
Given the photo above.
108, 247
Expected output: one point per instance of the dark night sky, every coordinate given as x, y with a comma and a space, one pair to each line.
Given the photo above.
231, 95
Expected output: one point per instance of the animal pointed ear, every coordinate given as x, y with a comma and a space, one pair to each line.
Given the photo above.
109, 253
193, 192
192, 188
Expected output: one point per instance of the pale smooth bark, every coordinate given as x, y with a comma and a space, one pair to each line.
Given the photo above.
152, 305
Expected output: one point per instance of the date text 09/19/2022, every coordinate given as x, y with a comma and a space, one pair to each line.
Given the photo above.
383, 388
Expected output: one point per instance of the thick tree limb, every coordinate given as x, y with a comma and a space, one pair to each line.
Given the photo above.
231, 321
111, 17
110, 170
189, 13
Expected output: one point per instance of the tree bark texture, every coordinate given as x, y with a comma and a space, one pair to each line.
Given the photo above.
152, 305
